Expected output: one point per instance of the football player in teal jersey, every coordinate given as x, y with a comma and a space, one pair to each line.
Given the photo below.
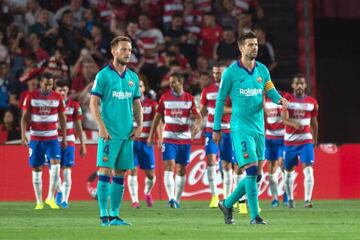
114, 102
245, 81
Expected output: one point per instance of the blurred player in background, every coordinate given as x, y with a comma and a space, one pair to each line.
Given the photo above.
301, 134
114, 103
245, 81
175, 107
144, 152
73, 119
42, 109
274, 146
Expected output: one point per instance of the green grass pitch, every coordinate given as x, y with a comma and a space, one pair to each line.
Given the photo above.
327, 220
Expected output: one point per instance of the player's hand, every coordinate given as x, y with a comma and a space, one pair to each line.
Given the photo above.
149, 141
194, 130
159, 143
24, 141
83, 150
136, 133
64, 143
284, 103
103, 133
216, 136
298, 126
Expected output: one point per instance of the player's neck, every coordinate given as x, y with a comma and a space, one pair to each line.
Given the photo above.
247, 63
44, 92
119, 67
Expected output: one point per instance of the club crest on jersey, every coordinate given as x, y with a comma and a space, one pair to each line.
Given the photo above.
44, 110
246, 155
176, 112
131, 83
259, 79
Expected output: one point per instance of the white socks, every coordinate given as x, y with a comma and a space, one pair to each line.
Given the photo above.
179, 186
149, 184
54, 178
37, 184
289, 184
169, 184
66, 186
227, 184
211, 174
133, 188
273, 185
308, 182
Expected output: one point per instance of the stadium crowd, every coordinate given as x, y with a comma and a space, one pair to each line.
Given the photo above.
71, 40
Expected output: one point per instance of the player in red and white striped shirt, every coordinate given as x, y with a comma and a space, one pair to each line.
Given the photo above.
176, 107
144, 152
42, 109
74, 116
301, 130
274, 145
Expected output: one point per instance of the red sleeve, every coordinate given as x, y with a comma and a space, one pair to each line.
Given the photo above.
314, 112
61, 107
203, 100
78, 115
161, 107
26, 104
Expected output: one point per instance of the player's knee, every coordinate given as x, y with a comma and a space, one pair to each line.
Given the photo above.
258, 178
37, 169
104, 171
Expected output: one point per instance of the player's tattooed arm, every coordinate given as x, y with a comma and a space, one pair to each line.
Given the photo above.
62, 121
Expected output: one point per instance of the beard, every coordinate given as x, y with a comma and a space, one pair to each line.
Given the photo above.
122, 61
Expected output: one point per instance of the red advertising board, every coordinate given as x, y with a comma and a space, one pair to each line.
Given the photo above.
336, 169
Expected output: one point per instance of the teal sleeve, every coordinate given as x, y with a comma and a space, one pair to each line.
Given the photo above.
273, 95
98, 86
224, 90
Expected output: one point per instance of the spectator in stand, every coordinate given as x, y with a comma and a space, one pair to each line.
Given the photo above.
98, 45
225, 14
35, 47
192, 17
42, 26
154, 9
34, 12
190, 48
4, 51
91, 17
57, 65
179, 57
9, 129
176, 32
227, 50
4, 89
266, 53
77, 10
71, 35
170, 7
245, 22
84, 73
203, 5
151, 42
210, 35
202, 65
249, 5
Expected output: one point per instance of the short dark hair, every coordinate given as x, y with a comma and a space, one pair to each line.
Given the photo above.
204, 73
118, 39
297, 75
227, 28
177, 75
246, 35
220, 64
62, 83
47, 75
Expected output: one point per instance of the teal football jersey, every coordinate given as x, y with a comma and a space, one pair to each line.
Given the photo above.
117, 93
246, 93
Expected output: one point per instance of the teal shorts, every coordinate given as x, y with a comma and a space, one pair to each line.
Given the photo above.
248, 147
115, 154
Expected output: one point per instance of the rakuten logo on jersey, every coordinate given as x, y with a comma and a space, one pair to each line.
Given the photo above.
249, 92
121, 95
